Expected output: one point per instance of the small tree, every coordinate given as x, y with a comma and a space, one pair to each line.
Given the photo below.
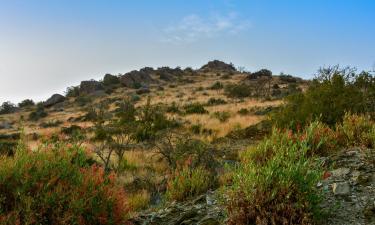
7, 107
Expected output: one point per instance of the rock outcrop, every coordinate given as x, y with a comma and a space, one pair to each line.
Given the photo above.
218, 66
203, 210
90, 86
169, 74
349, 189
53, 100
136, 79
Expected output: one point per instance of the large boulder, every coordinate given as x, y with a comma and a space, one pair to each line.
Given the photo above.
169, 74
53, 100
218, 66
263, 73
90, 86
136, 79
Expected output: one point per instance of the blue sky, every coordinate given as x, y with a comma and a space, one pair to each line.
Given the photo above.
47, 45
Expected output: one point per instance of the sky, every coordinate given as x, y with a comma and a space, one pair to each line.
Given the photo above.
49, 45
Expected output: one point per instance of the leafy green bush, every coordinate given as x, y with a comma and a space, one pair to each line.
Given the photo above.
217, 86
7, 107
38, 113
333, 92
54, 123
26, 103
195, 108
243, 111
222, 116
83, 100
356, 130
72, 92
57, 186
238, 90
275, 184
216, 101
188, 182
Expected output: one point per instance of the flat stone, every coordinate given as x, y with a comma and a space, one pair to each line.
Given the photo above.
342, 188
340, 172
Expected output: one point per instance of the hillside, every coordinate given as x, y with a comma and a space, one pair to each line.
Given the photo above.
193, 146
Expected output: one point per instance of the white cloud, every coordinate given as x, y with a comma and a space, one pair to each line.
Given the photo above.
194, 27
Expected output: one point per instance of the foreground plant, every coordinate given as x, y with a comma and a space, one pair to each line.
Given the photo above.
275, 183
58, 186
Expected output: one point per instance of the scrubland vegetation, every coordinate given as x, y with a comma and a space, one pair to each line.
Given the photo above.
256, 138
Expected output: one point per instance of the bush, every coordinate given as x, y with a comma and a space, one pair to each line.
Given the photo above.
7, 107
26, 103
217, 86
356, 130
216, 101
243, 111
72, 92
56, 186
38, 113
238, 90
195, 108
83, 100
221, 116
111, 80
54, 123
275, 184
332, 93
188, 182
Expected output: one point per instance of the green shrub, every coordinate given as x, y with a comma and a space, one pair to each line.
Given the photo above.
38, 114
238, 90
173, 108
57, 186
83, 100
217, 86
26, 103
7, 107
243, 111
275, 184
196, 128
54, 123
195, 108
356, 130
72, 92
333, 92
216, 101
188, 182
222, 116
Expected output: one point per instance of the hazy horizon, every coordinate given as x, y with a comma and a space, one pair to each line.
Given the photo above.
47, 46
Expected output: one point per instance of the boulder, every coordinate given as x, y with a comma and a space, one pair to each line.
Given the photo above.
90, 86
5, 125
169, 74
263, 73
53, 100
142, 91
136, 79
218, 66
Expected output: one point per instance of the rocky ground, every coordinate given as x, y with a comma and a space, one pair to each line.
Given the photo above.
349, 188
203, 210
348, 196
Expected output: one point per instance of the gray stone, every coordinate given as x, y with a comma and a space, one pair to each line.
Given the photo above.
5, 125
90, 86
342, 188
340, 172
136, 78
53, 100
